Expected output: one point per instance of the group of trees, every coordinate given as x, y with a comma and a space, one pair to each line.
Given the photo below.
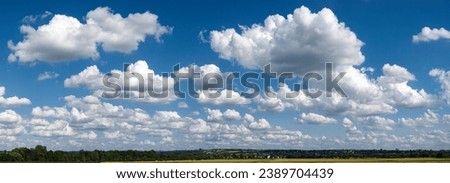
41, 154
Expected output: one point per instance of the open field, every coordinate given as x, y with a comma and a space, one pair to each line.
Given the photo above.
317, 160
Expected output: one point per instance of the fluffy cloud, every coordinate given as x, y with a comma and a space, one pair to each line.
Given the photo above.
377, 123
9, 116
443, 78
252, 133
166, 116
135, 82
65, 38
207, 73
118, 135
217, 116
314, 118
256, 124
45, 128
124, 34
394, 83
85, 118
214, 115
278, 134
47, 75
90, 77
88, 135
427, 34
428, 119
183, 105
88, 120
300, 42
11, 125
226, 97
365, 96
231, 114
57, 112
200, 126
383, 95
50, 42
381, 135
352, 132
272, 104
11, 101
170, 119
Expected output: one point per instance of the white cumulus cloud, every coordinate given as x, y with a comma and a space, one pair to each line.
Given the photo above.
11, 101
314, 118
256, 124
431, 34
300, 42
225, 97
216, 115
11, 125
65, 38
443, 77
377, 123
55, 128
136, 82
394, 83
428, 119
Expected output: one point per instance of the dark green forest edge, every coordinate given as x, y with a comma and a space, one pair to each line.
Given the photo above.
41, 154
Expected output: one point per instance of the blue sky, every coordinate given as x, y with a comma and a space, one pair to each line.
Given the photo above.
395, 55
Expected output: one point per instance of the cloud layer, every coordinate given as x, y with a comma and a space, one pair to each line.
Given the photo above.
382, 109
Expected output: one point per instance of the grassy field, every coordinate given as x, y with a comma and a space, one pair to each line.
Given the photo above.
321, 160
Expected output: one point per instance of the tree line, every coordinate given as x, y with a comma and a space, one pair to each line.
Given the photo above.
41, 154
